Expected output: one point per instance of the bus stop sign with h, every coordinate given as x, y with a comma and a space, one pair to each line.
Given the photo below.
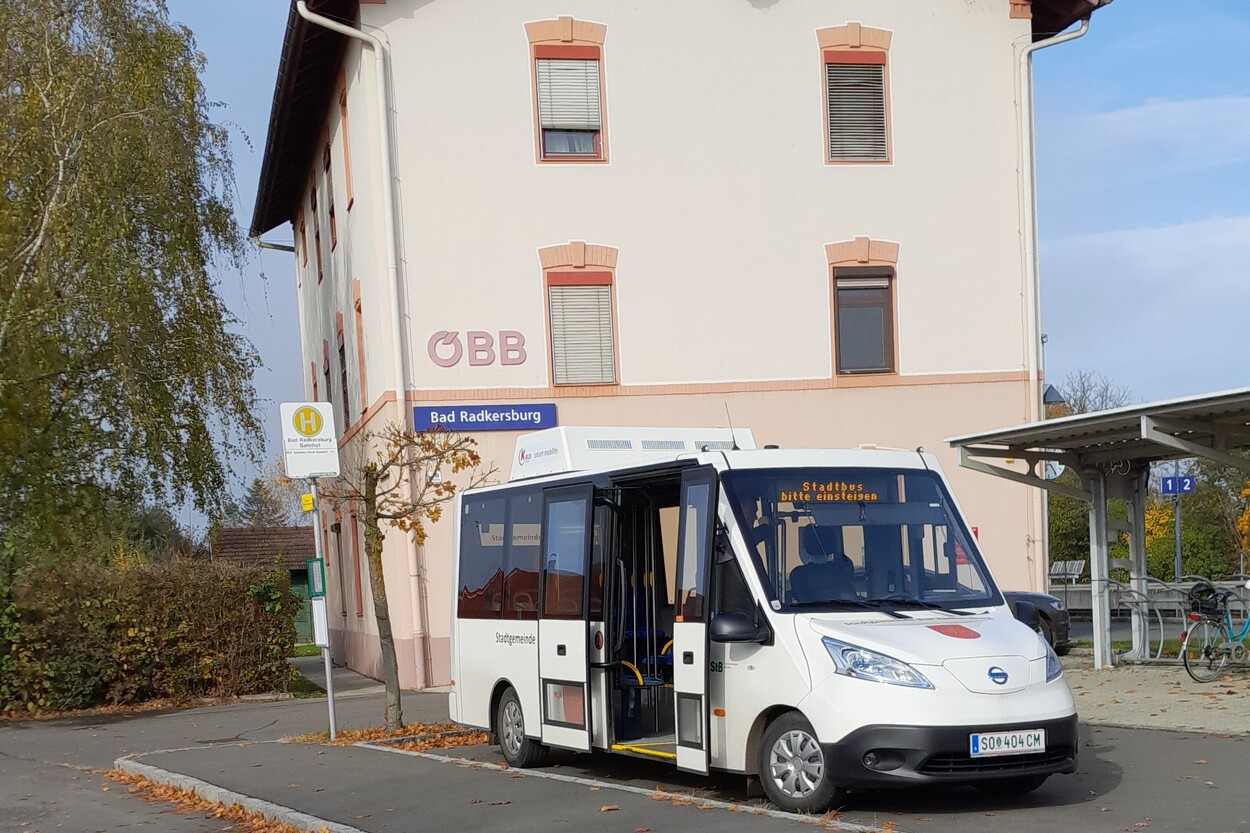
310, 450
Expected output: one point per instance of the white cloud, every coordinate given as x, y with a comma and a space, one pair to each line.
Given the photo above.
1164, 311
1151, 140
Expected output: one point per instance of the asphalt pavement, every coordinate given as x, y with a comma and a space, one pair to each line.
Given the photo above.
1129, 779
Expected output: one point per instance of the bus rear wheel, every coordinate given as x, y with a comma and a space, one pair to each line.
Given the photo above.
793, 769
518, 750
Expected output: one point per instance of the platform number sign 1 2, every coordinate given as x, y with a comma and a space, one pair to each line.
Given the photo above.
1179, 485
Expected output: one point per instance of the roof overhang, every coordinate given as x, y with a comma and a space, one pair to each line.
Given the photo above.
307, 70
1050, 17
1215, 426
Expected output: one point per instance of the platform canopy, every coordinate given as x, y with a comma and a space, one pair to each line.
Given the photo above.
1111, 452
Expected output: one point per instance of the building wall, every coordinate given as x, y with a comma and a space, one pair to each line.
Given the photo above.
719, 205
716, 195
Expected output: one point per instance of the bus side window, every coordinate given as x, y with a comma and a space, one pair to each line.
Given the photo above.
599, 545
520, 585
564, 566
732, 594
481, 559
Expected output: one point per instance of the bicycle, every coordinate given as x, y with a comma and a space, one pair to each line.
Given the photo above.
1208, 644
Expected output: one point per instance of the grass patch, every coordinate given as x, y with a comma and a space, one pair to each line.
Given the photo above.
1171, 647
306, 651
301, 688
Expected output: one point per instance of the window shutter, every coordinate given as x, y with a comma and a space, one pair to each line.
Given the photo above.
568, 94
856, 111
581, 334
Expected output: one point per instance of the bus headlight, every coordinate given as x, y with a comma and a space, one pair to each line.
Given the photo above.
1053, 668
854, 661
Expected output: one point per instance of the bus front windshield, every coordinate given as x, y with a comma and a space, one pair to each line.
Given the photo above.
844, 538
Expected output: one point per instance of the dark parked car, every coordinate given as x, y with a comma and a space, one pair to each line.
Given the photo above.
1052, 616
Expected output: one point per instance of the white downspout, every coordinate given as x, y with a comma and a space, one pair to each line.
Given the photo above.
392, 275
1028, 200
1028, 224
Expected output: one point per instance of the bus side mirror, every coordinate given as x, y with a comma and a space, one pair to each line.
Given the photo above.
1026, 612
735, 626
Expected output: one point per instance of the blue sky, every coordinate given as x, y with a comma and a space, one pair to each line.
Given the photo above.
1143, 148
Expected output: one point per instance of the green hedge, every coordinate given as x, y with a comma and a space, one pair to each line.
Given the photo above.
76, 635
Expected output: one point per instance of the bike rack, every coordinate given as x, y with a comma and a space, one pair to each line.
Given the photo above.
1128, 598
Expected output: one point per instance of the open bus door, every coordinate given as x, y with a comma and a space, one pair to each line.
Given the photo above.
563, 662
696, 528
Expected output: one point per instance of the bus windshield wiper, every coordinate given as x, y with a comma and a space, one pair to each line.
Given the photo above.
901, 602
851, 603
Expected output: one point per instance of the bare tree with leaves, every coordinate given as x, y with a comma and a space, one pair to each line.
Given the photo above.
1085, 392
401, 478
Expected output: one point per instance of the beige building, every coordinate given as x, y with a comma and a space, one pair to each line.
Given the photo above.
813, 215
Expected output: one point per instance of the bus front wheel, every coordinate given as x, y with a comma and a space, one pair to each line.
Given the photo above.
518, 750
793, 769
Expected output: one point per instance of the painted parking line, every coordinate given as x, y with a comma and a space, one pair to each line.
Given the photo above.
741, 809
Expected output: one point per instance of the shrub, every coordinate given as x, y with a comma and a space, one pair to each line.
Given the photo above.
77, 634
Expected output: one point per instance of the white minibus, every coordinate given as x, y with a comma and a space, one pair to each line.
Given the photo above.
822, 619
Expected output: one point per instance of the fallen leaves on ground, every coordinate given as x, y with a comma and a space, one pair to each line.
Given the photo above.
609, 808
104, 711
186, 801
422, 736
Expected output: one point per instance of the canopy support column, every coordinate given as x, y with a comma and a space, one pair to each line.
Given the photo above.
1095, 482
1136, 493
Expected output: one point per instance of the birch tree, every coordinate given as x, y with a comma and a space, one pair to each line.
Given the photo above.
122, 377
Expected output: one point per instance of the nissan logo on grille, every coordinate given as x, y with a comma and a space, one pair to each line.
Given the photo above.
997, 675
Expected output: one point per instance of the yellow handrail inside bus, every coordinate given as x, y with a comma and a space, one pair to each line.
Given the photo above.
667, 645
633, 668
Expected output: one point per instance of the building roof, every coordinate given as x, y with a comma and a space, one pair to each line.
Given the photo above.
308, 67
289, 546
310, 64
1209, 425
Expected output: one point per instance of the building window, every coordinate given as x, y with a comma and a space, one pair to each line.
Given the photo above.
347, 410
856, 93
338, 557
303, 239
578, 280
568, 106
863, 310
569, 92
360, 344
864, 304
580, 308
334, 231
360, 600
347, 156
325, 369
316, 217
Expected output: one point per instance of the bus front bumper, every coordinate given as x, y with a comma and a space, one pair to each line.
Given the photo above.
904, 756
